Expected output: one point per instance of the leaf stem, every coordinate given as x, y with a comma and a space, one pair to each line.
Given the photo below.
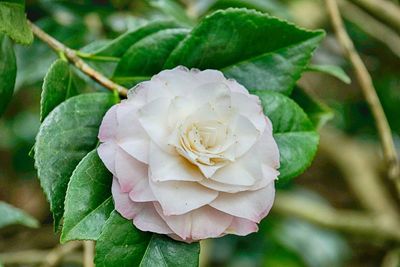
72, 56
366, 84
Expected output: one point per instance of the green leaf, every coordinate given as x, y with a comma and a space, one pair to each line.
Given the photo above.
332, 70
11, 216
88, 201
121, 244
147, 56
8, 72
59, 85
13, 21
259, 51
293, 131
117, 47
67, 134
318, 112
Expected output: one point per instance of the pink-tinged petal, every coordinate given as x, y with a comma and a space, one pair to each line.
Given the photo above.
240, 226
154, 119
250, 108
214, 93
126, 207
179, 197
231, 188
133, 177
201, 223
107, 152
149, 220
251, 205
235, 174
167, 167
131, 136
179, 81
109, 125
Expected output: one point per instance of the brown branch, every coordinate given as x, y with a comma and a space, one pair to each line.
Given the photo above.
56, 254
371, 26
35, 257
72, 57
352, 222
369, 92
88, 253
387, 11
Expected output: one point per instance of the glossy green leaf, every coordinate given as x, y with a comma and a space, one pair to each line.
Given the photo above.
259, 51
293, 131
147, 56
8, 72
13, 21
332, 70
121, 244
118, 46
318, 112
88, 202
12, 216
67, 134
59, 85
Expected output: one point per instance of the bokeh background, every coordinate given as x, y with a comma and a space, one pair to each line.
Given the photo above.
347, 169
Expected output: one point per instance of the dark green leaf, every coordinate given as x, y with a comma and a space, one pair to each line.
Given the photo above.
147, 56
293, 131
13, 21
11, 216
67, 134
317, 111
332, 70
88, 201
59, 85
259, 51
121, 244
8, 72
117, 47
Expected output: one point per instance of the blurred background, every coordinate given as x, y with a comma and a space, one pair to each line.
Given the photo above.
328, 217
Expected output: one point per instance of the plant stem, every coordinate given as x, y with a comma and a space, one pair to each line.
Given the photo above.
71, 56
88, 253
56, 254
369, 92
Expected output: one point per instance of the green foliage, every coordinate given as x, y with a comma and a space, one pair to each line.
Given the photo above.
66, 135
147, 56
117, 47
88, 201
120, 244
317, 111
59, 85
11, 216
332, 70
259, 51
13, 21
8, 72
293, 131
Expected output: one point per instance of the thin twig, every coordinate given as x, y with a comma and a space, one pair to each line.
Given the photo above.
371, 26
385, 10
72, 57
56, 254
88, 253
357, 163
368, 89
35, 257
352, 222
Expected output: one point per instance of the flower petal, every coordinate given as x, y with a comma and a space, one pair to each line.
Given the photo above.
178, 197
149, 220
107, 152
240, 226
126, 207
251, 205
108, 127
166, 167
201, 223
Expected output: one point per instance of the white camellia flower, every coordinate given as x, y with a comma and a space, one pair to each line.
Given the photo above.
192, 156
